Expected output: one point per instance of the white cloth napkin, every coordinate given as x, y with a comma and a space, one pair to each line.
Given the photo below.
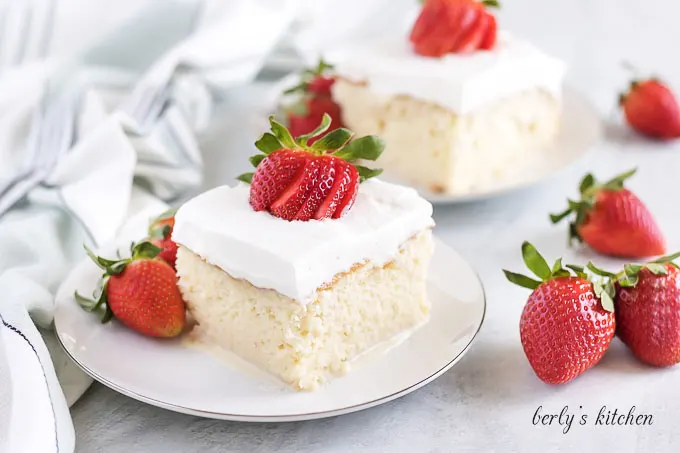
163, 59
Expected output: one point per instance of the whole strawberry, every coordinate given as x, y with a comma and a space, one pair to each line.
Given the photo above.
567, 323
297, 181
648, 311
454, 26
651, 109
314, 101
612, 220
140, 291
160, 235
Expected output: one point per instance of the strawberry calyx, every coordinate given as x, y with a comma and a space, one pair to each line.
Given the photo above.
630, 274
634, 84
99, 301
491, 3
313, 81
589, 189
309, 76
487, 3
628, 277
159, 228
338, 143
603, 287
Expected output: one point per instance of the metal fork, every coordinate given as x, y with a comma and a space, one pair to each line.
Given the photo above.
52, 133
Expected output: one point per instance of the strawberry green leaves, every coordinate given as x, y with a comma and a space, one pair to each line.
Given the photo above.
604, 282
535, 262
338, 143
310, 74
268, 143
246, 177
256, 159
606, 292
491, 3
604, 288
539, 267
367, 173
367, 148
333, 140
320, 129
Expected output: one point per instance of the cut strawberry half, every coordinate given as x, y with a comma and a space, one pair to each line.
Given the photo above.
491, 34
454, 26
346, 174
321, 189
294, 180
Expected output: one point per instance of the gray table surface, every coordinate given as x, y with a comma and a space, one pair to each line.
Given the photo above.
487, 401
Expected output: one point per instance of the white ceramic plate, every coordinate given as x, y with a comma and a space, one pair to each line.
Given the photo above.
187, 379
581, 130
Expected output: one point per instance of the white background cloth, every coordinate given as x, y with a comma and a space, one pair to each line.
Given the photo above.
487, 401
142, 79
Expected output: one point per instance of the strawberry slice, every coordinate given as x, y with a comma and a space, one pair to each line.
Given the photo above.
343, 181
277, 173
324, 184
453, 26
466, 19
351, 189
491, 35
289, 202
472, 40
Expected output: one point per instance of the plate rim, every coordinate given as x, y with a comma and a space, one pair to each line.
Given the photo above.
292, 417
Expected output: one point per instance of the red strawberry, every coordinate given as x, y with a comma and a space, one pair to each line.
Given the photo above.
320, 84
567, 323
168, 251
454, 26
648, 311
651, 109
297, 181
346, 181
475, 35
141, 292
315, 100
160, 232
489, 40
612, 220
162, 225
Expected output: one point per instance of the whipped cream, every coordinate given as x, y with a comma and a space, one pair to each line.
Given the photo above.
296, 258
459, 82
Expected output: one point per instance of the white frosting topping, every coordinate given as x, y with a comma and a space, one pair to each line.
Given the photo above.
295, 258
458, 82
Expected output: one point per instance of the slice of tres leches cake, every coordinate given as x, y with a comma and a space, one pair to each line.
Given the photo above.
457, 116
305, 266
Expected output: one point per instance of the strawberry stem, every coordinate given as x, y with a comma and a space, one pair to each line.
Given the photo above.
604, 287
